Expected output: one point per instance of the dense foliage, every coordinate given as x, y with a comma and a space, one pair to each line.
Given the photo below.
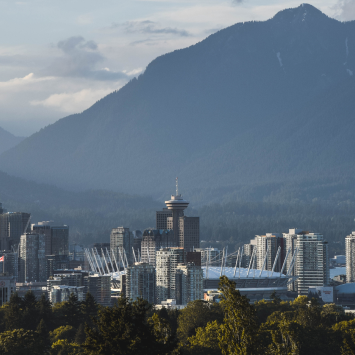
232, 326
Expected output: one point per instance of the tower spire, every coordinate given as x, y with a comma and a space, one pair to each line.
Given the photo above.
177, 186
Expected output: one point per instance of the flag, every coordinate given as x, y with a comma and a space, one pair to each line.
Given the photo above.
2, 259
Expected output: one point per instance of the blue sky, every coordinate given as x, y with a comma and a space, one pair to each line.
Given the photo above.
60, 57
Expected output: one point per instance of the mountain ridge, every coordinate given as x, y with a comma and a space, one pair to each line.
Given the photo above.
8, 140
216, 114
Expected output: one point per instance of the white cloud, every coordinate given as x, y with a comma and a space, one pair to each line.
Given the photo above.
72, 102
28, 82
345, 10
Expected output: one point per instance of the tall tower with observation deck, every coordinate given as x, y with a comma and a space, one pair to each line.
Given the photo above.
186, 229
176, 205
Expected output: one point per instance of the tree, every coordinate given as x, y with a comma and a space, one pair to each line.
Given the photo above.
13, 312
64, 347
30, 316
89, 308
20, 342
285, 335
239, 330
43, 335
205, 341
44, 308
122, 329
163, 334
65, 332
80, 335
68, 312
196, 315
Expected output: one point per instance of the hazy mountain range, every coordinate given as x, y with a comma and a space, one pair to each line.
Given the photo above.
257, 102
8, 140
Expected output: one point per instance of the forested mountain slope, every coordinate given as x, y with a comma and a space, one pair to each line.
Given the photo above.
8, 140
256, 102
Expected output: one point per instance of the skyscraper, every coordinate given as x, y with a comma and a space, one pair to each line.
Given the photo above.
176, 205
12, 226
10, 263
312, 267
32, 265
152, 241
56, 237
291, 244
350, 257
167, 260
186, 229
100, 288
269, 242
188, 283
45, 229
121, 242
140, 282
60, 240
162, 217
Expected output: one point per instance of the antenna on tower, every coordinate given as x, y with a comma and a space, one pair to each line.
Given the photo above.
177, 186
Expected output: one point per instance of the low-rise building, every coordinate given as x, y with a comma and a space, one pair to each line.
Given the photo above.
61, 293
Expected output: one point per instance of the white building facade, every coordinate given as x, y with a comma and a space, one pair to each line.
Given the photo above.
312, 267
350, 257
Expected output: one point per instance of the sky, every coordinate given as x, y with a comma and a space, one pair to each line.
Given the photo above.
58, 57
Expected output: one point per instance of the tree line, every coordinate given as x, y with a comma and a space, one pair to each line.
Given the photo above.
231, 326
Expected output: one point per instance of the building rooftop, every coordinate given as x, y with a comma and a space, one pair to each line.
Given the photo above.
346, 288
215, 273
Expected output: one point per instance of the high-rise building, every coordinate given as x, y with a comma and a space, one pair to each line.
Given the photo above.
162, 217
32, 260
60, 240
167, 260
176, 205
186, 229
193, 257
56, 237
269, 242
188, 283
137, 243
312, 267
121, 242
100, 288
152, 241
350, 257
291, 245
247, 253
12, 226
140, 282
45, 229
9, 266
7, 287
189, 233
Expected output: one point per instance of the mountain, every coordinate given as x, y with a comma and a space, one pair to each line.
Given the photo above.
8, 140
257, 102
90, 214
